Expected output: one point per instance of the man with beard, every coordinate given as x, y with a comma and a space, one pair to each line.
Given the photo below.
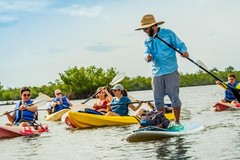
165, 74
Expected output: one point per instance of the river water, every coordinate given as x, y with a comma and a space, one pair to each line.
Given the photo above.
220, 138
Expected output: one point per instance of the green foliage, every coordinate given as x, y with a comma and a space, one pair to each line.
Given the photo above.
77, 83
81, 82
137, 83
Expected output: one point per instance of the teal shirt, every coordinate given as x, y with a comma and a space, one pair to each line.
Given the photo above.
163, 57
120, 106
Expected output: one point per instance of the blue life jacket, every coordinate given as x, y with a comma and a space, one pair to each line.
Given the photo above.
24, 115
229, 96
63, 105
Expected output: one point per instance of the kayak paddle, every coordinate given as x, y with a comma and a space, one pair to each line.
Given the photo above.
235, 91
40, 100
114, 81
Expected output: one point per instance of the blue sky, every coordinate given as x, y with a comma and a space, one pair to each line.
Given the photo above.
41, 38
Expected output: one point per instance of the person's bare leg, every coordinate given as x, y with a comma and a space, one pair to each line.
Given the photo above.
177, 111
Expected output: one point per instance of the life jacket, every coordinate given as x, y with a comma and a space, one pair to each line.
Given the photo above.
24, 115
154, 119
229, 96
103, 106
63, 105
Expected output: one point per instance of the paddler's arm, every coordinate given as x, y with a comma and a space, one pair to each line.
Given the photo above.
108, 107
109, 96
10, 117
32, 108
69, 102
223, 85
134, 108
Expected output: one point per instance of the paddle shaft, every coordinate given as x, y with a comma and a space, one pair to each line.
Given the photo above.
130, 103
235, 91
93, 95
27, 105
115, 80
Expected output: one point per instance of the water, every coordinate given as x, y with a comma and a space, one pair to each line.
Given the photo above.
219, 140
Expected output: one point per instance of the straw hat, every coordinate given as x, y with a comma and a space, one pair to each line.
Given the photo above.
148, 21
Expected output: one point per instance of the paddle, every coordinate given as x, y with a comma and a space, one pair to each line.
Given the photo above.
185, 113
40, 100
131, 103
204, 66
235, 91
114, 81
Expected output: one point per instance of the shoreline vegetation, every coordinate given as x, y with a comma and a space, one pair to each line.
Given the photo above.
81, 83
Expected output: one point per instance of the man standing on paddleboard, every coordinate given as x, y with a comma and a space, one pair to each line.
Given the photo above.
165, 74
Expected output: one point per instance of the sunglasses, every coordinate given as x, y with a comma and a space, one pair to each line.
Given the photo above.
26, 95
58, 93
144, 29
115, 90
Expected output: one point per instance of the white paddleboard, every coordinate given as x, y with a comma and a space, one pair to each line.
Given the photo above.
154, 134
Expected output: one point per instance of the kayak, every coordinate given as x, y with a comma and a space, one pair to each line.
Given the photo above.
56, 116
218, 107
87, 120
16, 131
156, 133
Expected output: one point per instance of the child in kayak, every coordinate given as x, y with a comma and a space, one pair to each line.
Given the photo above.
229, 96
120, 103
25, 112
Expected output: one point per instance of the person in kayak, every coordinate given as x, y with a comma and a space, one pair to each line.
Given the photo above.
164, 63
120, 102
229, 96
103, 98
59, 102
25, 111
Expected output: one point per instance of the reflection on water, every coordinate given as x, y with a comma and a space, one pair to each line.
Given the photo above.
172, 148
219, 140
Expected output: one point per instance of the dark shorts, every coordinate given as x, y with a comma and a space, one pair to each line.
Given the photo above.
166, 85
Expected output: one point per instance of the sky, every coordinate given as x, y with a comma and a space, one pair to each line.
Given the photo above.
40, 39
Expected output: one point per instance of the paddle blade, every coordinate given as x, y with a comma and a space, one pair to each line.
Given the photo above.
41, 100
236, 92
44, 95
200, 63
119, 77
78, 107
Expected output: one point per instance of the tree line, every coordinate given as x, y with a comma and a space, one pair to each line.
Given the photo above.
80, 83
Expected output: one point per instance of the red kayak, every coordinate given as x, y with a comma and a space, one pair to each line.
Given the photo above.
16, 131
218, 107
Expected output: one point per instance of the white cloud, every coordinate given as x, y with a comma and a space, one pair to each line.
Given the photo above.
6, 6
8, 19
79, 11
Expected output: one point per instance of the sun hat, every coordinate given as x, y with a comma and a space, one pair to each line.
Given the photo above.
148, 20
118, 86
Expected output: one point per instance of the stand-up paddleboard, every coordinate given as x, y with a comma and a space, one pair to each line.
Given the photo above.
155, 133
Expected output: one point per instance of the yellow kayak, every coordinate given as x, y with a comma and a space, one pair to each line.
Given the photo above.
56, 116
86, 120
